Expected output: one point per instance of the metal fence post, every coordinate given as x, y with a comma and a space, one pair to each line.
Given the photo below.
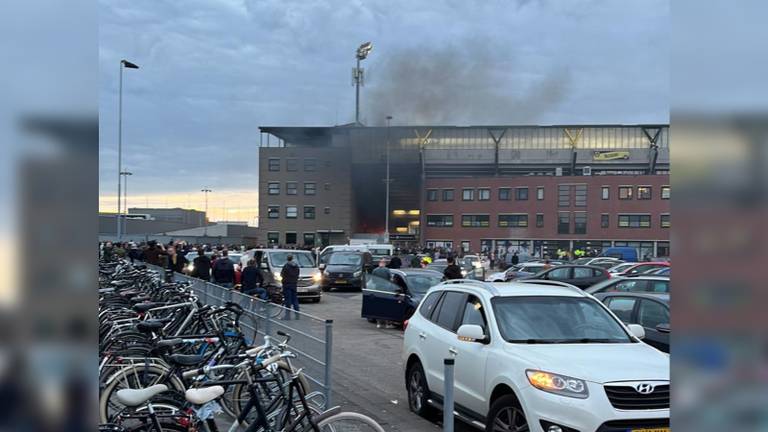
267, 318
448, 401
328, 355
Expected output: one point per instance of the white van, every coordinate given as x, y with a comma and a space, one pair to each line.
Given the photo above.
272, 261
376, 250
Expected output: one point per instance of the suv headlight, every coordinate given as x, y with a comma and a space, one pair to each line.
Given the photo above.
558, 384
317, 277
277, 276
357, 273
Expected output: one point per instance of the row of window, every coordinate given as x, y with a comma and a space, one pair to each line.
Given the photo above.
273, 238
563, 223
567, 195
292, 212
292, 164
484, 194
291, 188
643, 192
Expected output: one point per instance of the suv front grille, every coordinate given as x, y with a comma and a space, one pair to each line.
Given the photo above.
628, 398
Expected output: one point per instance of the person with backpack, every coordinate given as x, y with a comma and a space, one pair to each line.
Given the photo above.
290, 280
224, 270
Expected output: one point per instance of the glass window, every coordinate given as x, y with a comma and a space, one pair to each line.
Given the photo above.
644, 192
310, 188
431, 194
605, 220
606, 192
274, 164
560, 273
290, 238
291, 188
521, 194
659, 286
665, 221
540, 193
580, 196
625, 192
327, 210
539, 220
517, 221
310, 164
622, 307
634, 221
291, 212
474, 314
428, 304
309, 212
483, 194
303, 258
563, 223
467, 194
563, 196
504, 193
450, 307
447, 194
274, 188
630, 286
291, 164
582, 272
475, 221
440, 220
652, 313
665, 191
309, 239
579, 223
662, 249
273, 212
273, 237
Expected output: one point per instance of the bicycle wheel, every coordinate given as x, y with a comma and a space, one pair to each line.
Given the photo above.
349, 422
135, 377
267, 392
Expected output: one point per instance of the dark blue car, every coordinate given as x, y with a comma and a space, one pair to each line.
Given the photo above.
396, 299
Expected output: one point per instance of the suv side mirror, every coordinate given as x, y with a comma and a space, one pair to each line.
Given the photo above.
663, 328
637, 330
471, 333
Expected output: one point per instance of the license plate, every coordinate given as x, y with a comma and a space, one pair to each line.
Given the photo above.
661, 429
341, 281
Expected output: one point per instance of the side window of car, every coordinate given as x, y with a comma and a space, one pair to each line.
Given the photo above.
659, 286
582, 272
597, 273
399, 283
622, 307
474, 313
652, 313
428, 305
560, 273
450, 307
631, 286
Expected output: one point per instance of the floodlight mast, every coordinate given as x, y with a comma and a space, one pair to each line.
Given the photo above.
362, 53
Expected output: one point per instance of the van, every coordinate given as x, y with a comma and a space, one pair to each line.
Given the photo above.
272, 261
628, 254
377, 251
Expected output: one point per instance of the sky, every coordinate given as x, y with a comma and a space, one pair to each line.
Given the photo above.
213, 71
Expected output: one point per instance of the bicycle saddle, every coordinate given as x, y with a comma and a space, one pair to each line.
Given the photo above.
200, 396
186, 359
136, 397
143, 307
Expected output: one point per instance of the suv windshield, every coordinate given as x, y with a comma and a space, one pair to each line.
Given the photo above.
344, 259
556, 320
303, 259
420, 284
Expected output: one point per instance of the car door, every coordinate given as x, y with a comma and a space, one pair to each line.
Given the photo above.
470, 359
622, 307
651, 314
382, 300
440, 336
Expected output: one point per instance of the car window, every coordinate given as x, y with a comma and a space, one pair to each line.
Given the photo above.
597, 273
652, 313
474, 313
380, 283
622, 307
420, 284
397, 280
428, 305
560, 273
450, 307
630, 286
582, 272
659, 286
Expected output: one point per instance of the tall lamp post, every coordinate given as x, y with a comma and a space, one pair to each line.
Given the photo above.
124, 64
206, 191
386, 218
125, 201
357, 75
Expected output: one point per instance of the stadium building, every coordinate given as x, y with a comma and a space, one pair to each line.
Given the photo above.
476, 188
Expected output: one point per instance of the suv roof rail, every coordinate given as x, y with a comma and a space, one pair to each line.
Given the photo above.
554, 283
487, 285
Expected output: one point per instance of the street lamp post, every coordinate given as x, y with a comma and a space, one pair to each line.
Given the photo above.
123, 64
125, 201
386, 219
205, 191
362, 54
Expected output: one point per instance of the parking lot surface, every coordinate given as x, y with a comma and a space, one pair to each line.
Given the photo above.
368, 371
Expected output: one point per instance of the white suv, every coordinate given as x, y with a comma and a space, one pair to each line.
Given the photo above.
538, 356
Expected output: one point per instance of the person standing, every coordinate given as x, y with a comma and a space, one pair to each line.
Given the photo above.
202, 266
176, 262
515, 258
452, 271
107, 253
224, 270
252, 280
395, 262
381, 278
290, 280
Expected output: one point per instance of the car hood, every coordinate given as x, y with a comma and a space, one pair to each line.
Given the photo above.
599, 363
495, 276
339, 268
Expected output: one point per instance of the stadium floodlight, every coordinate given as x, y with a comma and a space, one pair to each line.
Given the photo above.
363, 50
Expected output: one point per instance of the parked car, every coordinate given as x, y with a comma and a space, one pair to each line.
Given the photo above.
345, 269
640, 268
661, 271
577, 275
272, 262
396, 299
604, 262
618, 268
650, 310
470, 261
523, 269
640, 283
620, 252
536, 357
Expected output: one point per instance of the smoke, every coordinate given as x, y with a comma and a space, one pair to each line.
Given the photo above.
462, 84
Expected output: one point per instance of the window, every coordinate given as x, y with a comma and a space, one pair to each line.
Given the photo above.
274, 164
273, 212
622, 307
327, 210
327, 186
605, 220
310, 188
662, 249
625, 192
467, 194
606, 193
309, 239
440, 220
273, 237
504, 193
582, 272
474, 314
580, 223
291, 212
431, 194
447, 194
521, 194
665, 191
644, 192
465, 246
309, 212
273, 188
475, 221
661, 286
290, 238
634, 221
450, 307
563, 223
560, 273
539, 193
539, 220
580, 196
665, 221
563, 195
310, 164
483, 194
515, 221
290, 188
428, 304
291, 164
651, 313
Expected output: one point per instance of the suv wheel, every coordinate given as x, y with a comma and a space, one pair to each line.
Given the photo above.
506, 415
418, 390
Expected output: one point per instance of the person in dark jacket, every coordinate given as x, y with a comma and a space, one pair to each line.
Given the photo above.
515, 258
251, 281
452, 271
224, 270
175, 261
395, 262
152, 253
290, 280
202, 266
